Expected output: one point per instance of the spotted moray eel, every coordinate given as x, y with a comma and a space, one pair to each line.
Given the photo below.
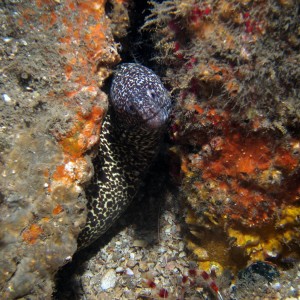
130, 138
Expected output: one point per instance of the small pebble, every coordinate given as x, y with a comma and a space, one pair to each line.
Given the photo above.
182, 254
276, 286
131, 263
140, 243
129, 272
7, 39
119, 269
108, 280
162, 250
143, 267
138, 256
6, 98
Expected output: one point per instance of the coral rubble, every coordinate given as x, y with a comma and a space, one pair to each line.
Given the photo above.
54, 57
233, 67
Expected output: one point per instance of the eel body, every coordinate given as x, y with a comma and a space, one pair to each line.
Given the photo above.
129, 141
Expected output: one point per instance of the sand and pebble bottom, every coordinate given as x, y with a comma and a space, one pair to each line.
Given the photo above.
147, 245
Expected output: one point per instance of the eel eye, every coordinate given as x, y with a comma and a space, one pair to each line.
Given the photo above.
131, 109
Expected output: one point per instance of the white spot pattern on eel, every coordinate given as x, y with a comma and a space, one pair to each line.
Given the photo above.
130, 138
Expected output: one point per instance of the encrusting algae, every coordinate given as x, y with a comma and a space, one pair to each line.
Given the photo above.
68, 45
244, 187
232, 66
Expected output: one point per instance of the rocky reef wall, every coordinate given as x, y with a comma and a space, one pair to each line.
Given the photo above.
233, 68
55, 55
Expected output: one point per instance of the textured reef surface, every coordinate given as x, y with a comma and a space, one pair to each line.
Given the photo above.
233, 67
54, 57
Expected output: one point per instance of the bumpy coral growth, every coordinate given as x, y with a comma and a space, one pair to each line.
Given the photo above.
244, 184
233, 53
119, 17
234, 73
44, 168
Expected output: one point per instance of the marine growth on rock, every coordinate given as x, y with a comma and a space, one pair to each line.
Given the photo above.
233, 67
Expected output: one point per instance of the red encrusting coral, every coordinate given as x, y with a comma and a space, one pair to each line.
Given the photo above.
241, 167
84, 134
58, 209
235, 124
241, 180
31, 234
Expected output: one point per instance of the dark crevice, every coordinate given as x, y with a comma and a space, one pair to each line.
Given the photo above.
138, 46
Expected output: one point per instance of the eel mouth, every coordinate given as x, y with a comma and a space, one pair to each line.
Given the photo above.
158, 118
